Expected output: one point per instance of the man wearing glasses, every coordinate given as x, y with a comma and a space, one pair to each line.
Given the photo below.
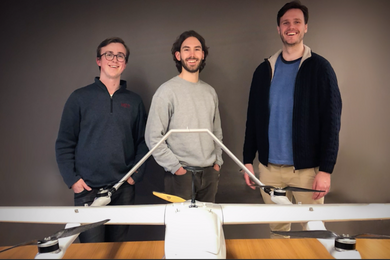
101, 137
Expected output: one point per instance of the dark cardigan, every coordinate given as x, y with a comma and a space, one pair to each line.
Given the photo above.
316, 115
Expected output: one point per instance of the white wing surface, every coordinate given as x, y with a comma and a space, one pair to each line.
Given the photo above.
258, 214
131, 214
230, 213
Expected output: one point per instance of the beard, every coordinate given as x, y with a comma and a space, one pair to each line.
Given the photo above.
290, 43
191, 70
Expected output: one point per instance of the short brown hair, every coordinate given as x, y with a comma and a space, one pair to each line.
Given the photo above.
293, 5
112, 40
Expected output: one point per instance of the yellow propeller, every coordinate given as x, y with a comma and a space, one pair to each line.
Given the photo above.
168, 197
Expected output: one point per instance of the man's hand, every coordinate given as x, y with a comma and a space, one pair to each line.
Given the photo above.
248, 180
130, 181
216, 167
181, 171
321, 182
79, 186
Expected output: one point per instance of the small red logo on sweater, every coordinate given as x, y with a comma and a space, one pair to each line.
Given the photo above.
125, 105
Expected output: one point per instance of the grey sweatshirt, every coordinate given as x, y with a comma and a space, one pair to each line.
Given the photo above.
180, 104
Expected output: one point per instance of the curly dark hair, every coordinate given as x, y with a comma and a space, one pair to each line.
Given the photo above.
293, 5
179, 41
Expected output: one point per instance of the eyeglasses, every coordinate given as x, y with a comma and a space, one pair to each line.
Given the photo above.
110, 56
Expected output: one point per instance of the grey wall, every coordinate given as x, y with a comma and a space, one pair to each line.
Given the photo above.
48, 50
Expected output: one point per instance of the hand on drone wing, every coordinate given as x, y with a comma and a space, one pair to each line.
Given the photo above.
321, 182
79, 186
248, 180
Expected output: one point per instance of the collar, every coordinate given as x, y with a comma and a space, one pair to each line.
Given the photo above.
122, 84
273, 58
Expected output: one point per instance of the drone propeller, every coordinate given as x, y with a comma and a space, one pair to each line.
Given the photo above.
60, 234
327, 234
288, 188
168, 197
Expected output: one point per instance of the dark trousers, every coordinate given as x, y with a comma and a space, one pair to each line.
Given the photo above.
106, 233
205, 181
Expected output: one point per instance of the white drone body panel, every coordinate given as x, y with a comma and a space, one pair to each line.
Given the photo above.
194, 232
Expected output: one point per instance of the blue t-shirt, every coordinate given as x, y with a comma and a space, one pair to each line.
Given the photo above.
281, 104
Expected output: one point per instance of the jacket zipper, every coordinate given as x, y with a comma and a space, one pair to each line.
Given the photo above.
111, 104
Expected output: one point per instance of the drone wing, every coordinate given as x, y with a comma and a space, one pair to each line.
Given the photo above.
131, 214
231, 213
267, 213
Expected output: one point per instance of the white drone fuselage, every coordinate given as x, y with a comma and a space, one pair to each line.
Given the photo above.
194, 232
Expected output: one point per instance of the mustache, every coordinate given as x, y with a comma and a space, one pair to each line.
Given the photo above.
191, 58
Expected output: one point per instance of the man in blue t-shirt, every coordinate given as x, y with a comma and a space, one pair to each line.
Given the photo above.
293, 117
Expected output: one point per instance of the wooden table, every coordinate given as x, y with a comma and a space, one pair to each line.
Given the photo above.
236, 249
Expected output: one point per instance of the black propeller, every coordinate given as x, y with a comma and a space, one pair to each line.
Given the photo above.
60, 234
327, 234
290, 188
267, 188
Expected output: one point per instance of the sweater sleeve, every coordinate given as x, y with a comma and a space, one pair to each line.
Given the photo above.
250, 141
331, 105
217, 131
66, 142
156, 127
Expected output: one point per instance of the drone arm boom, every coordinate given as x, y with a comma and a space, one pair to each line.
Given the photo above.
235, 159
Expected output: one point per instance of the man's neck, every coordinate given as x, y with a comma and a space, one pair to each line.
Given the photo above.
189, 76
112, 85
293, 52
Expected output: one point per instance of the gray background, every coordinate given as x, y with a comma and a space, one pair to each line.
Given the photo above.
48, 50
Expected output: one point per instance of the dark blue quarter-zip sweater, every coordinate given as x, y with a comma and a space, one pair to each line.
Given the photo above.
101, 137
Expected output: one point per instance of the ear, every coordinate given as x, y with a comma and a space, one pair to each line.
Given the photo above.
278, 28
305, 28
177, 55
99, 62
202, 55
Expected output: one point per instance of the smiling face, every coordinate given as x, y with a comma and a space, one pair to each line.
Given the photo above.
292, 27
114, 68
191, 54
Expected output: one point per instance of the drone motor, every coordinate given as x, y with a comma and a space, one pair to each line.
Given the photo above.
50, 246
344, 243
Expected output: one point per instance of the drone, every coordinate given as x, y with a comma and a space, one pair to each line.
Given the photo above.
194, 229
